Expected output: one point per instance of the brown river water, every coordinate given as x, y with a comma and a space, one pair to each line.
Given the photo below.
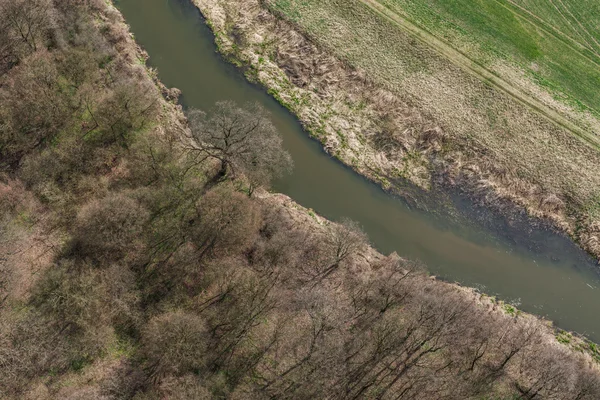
543, 273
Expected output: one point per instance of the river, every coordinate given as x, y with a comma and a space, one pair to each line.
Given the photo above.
554, 279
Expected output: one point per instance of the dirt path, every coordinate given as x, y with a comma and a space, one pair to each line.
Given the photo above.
482, 73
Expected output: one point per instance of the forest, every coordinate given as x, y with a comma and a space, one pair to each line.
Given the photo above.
142, 256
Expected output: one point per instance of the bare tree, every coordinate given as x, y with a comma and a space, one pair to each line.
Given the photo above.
110, 228
341, 242
240, 138
129, 106
26, 23
225, 221
34, 108
8, 54
174, 342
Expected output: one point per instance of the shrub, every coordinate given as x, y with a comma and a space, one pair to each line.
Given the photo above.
108, 229
174, 343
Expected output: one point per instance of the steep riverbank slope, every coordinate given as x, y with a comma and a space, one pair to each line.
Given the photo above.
390, 107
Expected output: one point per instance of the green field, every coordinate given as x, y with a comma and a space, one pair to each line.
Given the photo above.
577, 19
557, 42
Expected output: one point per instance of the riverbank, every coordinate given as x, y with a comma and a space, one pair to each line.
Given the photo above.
386, 133
479, 302
309, 222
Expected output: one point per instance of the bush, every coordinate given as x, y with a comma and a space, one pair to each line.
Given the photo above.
108, 229
225, 221
174, 343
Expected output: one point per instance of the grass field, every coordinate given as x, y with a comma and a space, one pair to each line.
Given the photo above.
490, 76
577, 19
555, 41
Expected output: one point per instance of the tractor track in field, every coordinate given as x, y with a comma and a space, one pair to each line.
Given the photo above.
550, 29
583, 28
466, 63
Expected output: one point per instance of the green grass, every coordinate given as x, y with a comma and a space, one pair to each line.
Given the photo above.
564, 337
529, 33
577, 19
510, 310
595, 351
496, 28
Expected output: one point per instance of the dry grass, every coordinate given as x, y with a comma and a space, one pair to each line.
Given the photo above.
335, 103
389, 106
